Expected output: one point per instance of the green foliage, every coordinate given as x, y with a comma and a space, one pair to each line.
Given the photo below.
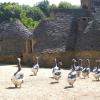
53, 6
44, 6
30, 16
27, 21
36, 14
9, 10
66, 5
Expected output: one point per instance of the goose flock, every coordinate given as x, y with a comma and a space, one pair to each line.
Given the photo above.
77, 70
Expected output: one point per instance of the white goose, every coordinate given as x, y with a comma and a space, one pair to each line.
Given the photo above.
72, 76
96, 67
35, 67
96, 70
79, 67
74, 63
86, 70
76, 66
56, 72
18, 76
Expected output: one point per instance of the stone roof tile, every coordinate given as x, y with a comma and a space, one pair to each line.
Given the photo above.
14, 29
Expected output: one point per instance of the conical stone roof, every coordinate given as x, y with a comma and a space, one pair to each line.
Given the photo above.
14, 29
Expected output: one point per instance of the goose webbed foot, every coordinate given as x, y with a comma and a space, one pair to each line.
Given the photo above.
72, 86
34, 74
88, 76
57, 81
22, 81
20, 86
15, 86
98, 79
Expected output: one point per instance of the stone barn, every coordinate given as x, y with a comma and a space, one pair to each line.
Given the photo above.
15, 41
67, 34
70, 33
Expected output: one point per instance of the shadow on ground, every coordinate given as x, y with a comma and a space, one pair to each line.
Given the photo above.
51, 77
53, 82
95, 80
12, 88
68, 87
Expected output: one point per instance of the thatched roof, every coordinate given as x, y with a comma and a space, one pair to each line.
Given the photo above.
14, 29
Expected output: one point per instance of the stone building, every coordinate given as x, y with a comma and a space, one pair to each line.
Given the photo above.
72, 33
15, 41
68, 34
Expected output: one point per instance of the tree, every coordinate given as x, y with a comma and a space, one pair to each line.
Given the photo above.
44, 6
36, 14
66, 5
27, 21
53, 6
9, 10
29, 16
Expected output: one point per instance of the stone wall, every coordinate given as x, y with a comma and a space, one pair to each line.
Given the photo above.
59, 37
8, 59
93, 55
60, 32
68, 34
96, 9
11, 49
47, 59
86, 4
12, 46
90, 38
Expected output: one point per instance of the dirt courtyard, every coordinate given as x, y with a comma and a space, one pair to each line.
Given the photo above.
43, 87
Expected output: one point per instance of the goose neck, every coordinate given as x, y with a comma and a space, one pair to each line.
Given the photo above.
37, 60
81, 63
19, 68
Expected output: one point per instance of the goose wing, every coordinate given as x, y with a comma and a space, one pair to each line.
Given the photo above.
36, 66
57, 72
84, 70
20, 76
72, 75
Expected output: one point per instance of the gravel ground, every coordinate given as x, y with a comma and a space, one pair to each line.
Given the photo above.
43, 87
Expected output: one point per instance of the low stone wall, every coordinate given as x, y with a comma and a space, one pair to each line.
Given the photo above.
47, 59
8, 59
87, 54
27, 59
92, 55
